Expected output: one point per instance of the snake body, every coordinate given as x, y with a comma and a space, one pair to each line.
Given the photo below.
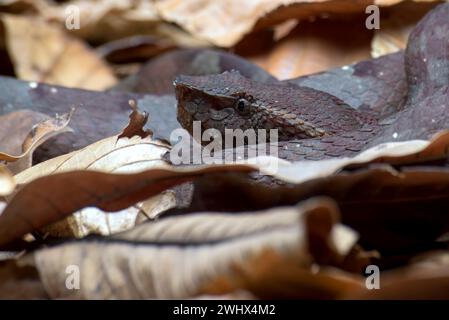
314, 124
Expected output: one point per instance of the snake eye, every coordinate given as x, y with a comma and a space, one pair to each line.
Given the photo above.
242, 106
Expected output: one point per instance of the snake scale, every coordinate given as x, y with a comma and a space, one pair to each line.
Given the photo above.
314, 124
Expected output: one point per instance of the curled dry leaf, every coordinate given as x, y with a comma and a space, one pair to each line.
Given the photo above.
39, 133
272, 276
131, 151
14, 128
224, 23
157, 267
42, 52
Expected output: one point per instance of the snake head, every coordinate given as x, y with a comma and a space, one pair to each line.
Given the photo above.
231, 101
218, 101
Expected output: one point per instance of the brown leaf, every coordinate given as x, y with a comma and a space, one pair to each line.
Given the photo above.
272, 276
14, 128
104, 20
44, 53
39, 133
375, 202
224, 23
159, 268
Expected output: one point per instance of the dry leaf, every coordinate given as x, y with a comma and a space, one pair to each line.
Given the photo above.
393, 210
108, 155
132, 151
167, 270
224, 23
272, 276
92, 220
14, 128
42, 52
37, 135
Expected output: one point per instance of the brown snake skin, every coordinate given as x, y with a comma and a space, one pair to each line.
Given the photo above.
317, 125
